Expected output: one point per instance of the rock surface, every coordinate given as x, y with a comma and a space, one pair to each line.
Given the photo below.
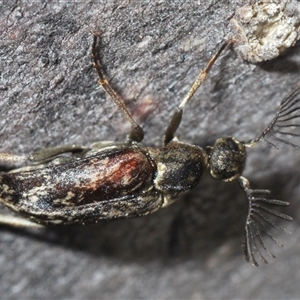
152, 51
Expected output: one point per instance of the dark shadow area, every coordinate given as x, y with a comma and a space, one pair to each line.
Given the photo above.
285, 63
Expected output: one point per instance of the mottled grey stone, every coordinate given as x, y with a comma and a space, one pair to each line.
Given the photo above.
152, 52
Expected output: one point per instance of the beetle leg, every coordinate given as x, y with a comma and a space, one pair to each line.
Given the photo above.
40, 155
176, 118
18, 222
49, 153
137, 133
104, 144
7, 157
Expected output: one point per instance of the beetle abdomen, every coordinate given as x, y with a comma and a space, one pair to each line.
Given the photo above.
106, 176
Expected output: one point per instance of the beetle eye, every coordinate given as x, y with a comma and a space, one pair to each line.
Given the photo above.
227, 159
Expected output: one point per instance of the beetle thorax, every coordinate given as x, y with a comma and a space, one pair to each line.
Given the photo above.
179, 167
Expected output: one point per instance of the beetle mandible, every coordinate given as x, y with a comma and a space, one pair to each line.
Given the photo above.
110, 180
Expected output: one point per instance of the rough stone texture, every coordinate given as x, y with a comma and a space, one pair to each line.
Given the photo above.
266, 28
152, 51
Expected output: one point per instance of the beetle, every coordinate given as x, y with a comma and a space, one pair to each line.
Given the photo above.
112, 180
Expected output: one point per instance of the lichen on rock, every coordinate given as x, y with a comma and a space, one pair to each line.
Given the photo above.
263, 29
